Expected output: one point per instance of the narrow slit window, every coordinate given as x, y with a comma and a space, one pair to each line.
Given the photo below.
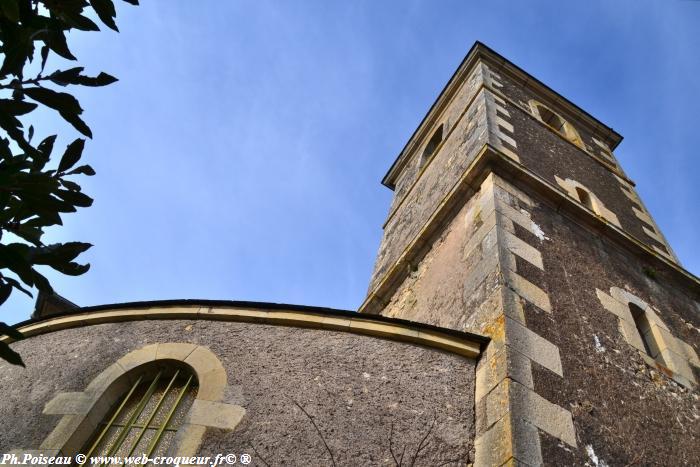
432, 145
144, 420
644, 328
585, 198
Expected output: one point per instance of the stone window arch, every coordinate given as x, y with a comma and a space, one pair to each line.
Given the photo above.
556, 122
83, 414
587, 198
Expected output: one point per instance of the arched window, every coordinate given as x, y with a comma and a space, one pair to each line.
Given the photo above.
153, 400
432, 145
644, 328
556, 122
143, 421
585, 198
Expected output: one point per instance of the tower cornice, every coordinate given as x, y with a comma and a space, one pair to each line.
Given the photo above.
492, 160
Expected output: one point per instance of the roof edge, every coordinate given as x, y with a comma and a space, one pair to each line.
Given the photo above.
283, 307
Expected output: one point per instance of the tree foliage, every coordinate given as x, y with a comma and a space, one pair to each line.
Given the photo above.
36, 185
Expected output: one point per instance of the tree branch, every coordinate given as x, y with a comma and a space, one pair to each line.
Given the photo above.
320, 434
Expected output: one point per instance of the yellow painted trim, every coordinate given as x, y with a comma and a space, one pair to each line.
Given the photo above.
359, 325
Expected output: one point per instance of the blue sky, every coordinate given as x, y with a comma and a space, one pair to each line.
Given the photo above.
240, 154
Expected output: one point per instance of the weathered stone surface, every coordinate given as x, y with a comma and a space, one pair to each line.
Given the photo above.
354, 387
620, 401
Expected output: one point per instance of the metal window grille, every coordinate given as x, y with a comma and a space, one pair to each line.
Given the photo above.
145, 419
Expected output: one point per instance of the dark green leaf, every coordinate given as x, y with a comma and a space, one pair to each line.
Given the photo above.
77, 123
9, 355
61, 101
17, 47
58, 253
9, 330
56, 40
10, 10
83, 169
5, 151
105, 10
65, 77
49, 218
73, 76
30, 134
71, 268
70, 185
46, 146
44, 56
14, 256
80, 22
133, 2
76, 198
28, 233
17, 286
72, 155
5, 291
16, 107
41, 283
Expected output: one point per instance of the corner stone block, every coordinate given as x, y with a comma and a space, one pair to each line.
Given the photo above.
69, 435
105, 378
174, 351
529, 291
509, 442
505, 364
138, 357
631, 335
215, 415
211, 375
65, 403
625, 297
678, 364
547, 416
525, 251
614, 306
533, 346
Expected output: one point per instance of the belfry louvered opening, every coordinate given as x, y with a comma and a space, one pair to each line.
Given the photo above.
146, 417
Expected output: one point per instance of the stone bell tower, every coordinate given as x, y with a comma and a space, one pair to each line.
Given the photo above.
512, 218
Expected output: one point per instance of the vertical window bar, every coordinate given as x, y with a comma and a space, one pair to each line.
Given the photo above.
111, 420
166, 422
153, 414
137, 412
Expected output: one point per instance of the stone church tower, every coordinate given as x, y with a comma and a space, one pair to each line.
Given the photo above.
524, 310
512, 218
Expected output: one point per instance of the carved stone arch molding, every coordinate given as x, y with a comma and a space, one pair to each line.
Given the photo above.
82, 412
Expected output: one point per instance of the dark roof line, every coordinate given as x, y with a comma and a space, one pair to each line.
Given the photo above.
261, 306
475, 46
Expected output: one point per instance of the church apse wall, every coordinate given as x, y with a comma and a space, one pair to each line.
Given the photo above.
367, 395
